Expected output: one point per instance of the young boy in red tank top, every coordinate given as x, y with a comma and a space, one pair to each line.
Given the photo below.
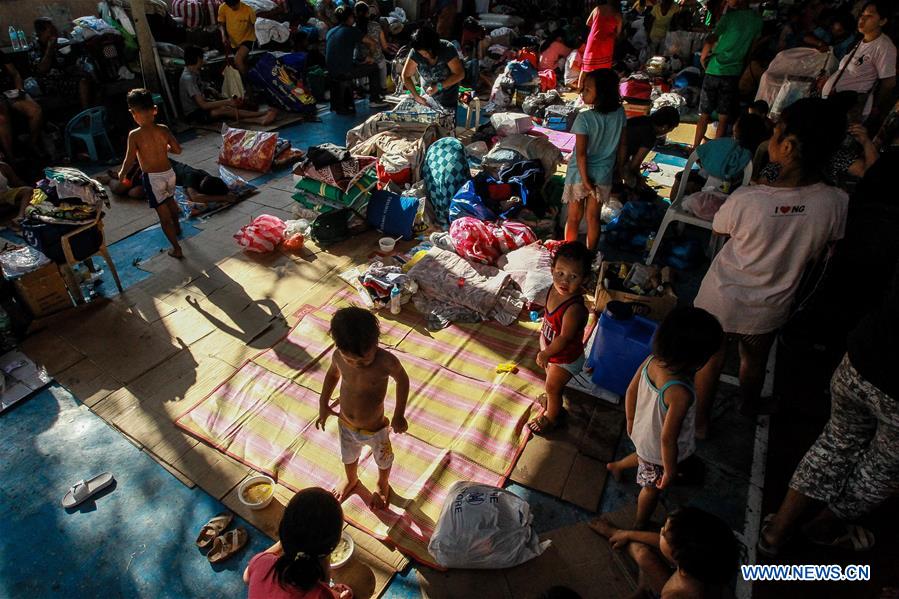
562, 338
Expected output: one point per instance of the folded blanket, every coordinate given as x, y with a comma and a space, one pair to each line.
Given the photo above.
452, 289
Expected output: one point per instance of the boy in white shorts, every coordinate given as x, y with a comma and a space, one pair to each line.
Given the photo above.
363, 368
150, 145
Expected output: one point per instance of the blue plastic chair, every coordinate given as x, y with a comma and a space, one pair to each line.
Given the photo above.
88, 126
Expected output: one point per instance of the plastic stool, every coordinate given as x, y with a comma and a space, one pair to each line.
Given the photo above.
88, 126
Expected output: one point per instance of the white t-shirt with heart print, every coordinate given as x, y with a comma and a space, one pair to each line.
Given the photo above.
775, 232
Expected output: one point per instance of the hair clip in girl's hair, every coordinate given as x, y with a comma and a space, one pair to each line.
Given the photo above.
299, 555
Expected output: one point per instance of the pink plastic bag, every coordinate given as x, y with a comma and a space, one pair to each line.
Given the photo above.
262, 235
485, 242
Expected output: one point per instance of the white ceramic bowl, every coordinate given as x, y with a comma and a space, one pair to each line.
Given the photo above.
349, 554
259, 478
387, 244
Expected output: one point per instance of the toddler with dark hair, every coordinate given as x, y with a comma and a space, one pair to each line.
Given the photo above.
562, 338
693, 556
660, 403
362, 368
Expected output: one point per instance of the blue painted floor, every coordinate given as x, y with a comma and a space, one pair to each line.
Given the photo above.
136, 540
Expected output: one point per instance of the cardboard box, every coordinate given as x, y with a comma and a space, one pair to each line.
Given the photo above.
43, 291
657, 307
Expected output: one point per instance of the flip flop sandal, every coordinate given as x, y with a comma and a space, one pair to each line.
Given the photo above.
856, 538
213, 528
541, 399
82, 491
650, 167
542, 425
763, 546
227, 545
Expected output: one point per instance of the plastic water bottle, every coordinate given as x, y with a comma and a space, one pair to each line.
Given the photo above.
23, 40
650, 240
13, 37
395, 300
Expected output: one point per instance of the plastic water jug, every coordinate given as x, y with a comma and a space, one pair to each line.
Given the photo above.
622, 342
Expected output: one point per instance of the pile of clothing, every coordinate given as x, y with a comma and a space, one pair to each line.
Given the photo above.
399, 147
331, 178
66, 196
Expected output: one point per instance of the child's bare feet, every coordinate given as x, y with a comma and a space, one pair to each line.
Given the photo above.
176, 253
615, 469
380, 498
269, 117
602, 526
346, 490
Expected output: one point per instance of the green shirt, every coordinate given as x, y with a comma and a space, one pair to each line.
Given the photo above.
603, 132
736, 31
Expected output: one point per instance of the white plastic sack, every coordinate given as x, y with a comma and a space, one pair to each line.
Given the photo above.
790, 91
484, 527
531, 269
232, 85
510, 123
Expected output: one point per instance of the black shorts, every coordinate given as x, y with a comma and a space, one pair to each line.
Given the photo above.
720, 93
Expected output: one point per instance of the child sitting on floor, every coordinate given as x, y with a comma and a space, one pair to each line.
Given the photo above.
660, 403
598, 132
198, 109
298, 566
693, 556
150, 145
362, 368
562, 338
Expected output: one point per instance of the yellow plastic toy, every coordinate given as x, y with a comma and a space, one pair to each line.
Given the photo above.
506, 367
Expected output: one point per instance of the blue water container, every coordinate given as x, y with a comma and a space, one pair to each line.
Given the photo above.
622, 342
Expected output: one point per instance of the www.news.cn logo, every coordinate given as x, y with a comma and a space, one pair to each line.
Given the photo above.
806, 572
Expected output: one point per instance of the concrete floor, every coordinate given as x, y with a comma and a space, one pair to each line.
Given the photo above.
119, 542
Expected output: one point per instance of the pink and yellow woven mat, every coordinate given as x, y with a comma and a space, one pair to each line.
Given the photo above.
466, 422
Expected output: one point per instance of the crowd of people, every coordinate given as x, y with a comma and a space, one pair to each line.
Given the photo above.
820, 194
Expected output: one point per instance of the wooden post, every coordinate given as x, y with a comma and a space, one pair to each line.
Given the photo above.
145, 46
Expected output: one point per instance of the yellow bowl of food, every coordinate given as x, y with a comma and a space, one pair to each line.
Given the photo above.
343, 552
257, 491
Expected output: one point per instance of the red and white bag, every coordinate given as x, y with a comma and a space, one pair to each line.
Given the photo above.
485, 242
193, 12
262, 235
250, 150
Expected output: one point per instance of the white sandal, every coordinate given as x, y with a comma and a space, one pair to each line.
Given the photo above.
82, 491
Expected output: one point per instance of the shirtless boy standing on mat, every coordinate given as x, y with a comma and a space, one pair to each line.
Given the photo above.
150, 145
362, 368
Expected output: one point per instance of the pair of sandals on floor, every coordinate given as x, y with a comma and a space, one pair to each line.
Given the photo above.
221, 546
853, 538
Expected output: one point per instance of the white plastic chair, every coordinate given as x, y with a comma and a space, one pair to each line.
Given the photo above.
677, 213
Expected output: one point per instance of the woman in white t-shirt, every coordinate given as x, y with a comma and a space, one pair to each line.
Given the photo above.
775, 230
868, 65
